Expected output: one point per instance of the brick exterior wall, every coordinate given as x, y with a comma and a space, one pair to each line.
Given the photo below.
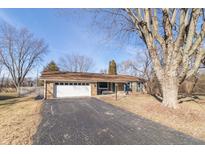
134, 87
93, 89
120, 87
50, 90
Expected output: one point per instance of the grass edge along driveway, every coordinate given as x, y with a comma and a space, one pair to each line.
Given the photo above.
189, 118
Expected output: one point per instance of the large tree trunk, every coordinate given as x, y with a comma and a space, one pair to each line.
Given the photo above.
18, 90
189, 85
170, 91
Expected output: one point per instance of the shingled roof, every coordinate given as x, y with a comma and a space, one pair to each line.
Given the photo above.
87, 77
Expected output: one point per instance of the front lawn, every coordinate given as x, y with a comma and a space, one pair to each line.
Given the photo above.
4, 97
19, 119
188, 118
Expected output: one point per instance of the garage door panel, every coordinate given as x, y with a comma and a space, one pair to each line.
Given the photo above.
72, 90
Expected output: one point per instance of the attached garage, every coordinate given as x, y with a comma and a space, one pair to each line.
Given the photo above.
65, 89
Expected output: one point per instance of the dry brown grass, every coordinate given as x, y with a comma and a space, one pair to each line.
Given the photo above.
189, 117
19, 119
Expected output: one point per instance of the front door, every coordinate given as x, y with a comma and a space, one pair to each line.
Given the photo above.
113, 87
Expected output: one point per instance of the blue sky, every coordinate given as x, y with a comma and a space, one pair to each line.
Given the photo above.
68, 31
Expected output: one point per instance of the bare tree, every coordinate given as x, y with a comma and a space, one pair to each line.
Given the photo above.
19, 52
141, 66
173, 37
125, 68
188, 85
76, 63
203, 63
1, 69
172, 49
1, 77
103, 71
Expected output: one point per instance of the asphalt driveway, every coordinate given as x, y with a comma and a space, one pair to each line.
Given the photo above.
92, 121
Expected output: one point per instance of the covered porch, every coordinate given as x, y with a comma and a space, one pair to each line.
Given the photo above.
104, 88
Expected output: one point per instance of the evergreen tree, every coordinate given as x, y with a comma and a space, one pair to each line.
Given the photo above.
112, 70
52, 66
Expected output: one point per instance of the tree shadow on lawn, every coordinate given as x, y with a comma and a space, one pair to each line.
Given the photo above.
13, 101
5, 97
158, 98
181, 98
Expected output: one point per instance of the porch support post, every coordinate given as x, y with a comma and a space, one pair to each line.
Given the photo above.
134, 87
116, 85
45, 90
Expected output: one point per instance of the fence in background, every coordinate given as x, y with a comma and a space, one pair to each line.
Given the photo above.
31, 91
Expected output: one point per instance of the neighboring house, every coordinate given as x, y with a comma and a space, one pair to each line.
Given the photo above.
70, 84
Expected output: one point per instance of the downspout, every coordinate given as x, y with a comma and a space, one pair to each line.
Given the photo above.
45, 90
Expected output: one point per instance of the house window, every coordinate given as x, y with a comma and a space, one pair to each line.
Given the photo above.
71, 84
75, 83
61, 83
79, 83
83, 84
139, 86
56, 83
87, 84
102, 85
66, 83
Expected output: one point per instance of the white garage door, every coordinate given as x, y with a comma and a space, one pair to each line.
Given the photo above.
72, 89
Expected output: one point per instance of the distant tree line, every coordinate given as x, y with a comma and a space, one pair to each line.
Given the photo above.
72, 63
